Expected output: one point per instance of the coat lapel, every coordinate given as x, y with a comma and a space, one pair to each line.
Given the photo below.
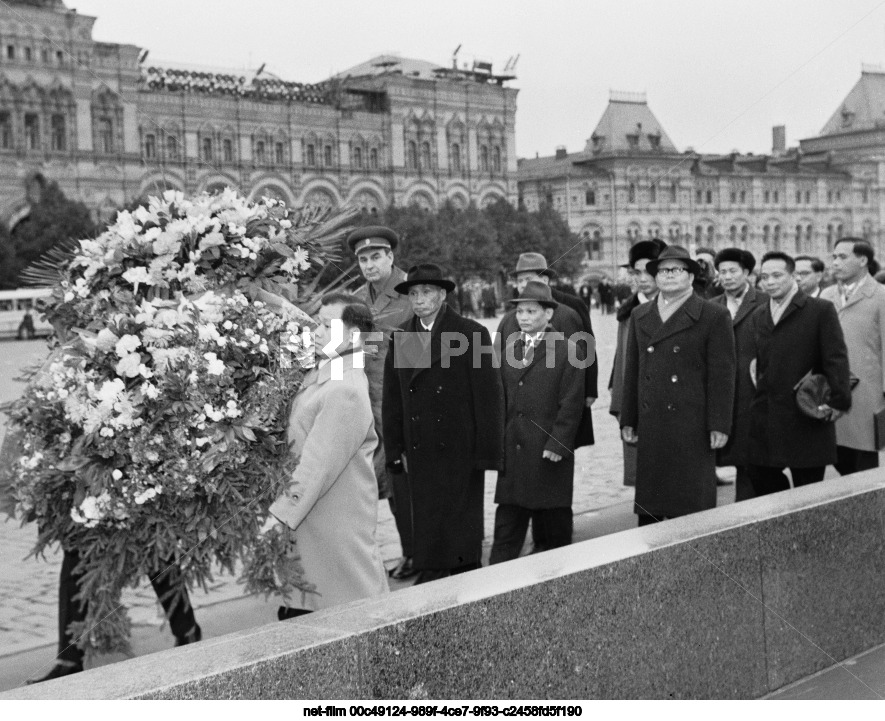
748, 305
795, 304
685, 317
441, 323
865, 290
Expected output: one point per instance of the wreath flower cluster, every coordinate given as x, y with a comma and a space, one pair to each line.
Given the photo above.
155, 432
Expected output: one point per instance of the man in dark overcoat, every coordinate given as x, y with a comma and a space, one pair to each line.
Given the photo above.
374, 247
734, 266
646, 289
543, 391
794, 334
533, 266
678, 392
443, 415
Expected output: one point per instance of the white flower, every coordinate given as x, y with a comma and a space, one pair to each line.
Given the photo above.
127, 344
211, 240
285, 223
116, 474
106, 432
138, 275
110, 391
106, 340
129, 366
212, 413
301, 258
228, 325
214, 366
149, 390
200, 442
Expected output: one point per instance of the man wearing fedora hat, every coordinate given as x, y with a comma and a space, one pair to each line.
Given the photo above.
443, 414
734, 266
646, 289
374, 248
543, 394
569, 318
678, 392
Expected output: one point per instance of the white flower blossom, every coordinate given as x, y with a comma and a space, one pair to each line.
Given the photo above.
214, 366
127, 344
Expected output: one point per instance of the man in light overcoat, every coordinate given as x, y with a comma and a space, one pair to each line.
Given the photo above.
860, 303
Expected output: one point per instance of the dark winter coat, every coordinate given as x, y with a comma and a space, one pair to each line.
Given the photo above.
736, 450
616, 380
678, 387
543, 405
448, 420
568, 320
808, 337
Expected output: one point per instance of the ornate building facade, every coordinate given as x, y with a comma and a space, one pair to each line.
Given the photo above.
109, 127
631, 182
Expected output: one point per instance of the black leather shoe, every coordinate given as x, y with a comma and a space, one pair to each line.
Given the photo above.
192, 636
403, 569
57, 671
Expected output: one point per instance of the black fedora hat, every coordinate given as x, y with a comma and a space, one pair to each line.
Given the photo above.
424, 274
372, 236
537, 291
674, 252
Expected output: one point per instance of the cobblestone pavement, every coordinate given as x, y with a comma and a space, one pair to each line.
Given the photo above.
29, 588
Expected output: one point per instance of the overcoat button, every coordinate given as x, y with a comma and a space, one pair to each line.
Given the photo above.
520, 383
651, 349
648, 378
518, 447
645, 406
442, 445
670, 407
675, 348
674, 378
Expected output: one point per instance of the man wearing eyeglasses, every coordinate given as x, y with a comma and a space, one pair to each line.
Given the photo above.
678, 392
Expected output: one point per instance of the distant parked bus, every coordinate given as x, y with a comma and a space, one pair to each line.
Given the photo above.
15, 306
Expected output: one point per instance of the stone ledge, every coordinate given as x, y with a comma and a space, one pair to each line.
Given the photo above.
730, 603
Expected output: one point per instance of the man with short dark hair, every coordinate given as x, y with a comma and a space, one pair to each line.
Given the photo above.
794, 335
374, 248
860, 303
734, 266
443, 415
809, 273
678, 392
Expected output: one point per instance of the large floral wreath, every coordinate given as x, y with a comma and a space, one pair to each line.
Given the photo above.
155, 431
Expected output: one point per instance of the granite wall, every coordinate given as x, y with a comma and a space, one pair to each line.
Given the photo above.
730, 603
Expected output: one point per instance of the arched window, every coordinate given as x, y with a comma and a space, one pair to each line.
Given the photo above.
496, 159
260, 157
358, 158
673, 192
484, 158
5, 131
732, 234
171, 147
310, 157
653, 193
590, 197
710, 234
228, 150
412, 155
59, 134
150, 146
327, 156
373, 158
631, 193
425, 156
456, 157
279, 153
207, 150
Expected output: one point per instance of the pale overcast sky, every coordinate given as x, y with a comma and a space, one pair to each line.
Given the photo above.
718, 73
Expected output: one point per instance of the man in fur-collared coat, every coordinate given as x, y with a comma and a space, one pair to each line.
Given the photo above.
543, 390
443, 414
678, 392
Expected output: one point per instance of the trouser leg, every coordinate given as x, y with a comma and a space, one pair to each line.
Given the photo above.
646, 519
69, 609
767, 479
853, 460
179, 611
629, 463
743, 486
511, 524
551, 528
805, 476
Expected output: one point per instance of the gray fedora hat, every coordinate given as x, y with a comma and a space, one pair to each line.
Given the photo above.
533, 263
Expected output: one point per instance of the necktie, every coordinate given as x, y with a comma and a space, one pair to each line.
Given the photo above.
528, 349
